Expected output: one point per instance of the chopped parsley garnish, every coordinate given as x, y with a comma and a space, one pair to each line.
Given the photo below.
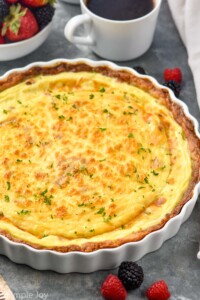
24, 212
130, 112
102, 159
105, 111
134, 169
146, 180
107, 219
101, 211
155, 173
44, 192
55, 106
6, 198
58, 96
45, 235
5, 111
131, 135
19, 101
69, 119
19, 160
47, 199
8, 185
70, 174
102, 129
74, 106
140, 150
102, 90
61, 117
65, 98
91, 96
81, 204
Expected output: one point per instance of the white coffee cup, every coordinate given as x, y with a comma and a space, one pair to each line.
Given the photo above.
114, 40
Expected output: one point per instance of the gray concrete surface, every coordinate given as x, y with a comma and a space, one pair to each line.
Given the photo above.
176, 261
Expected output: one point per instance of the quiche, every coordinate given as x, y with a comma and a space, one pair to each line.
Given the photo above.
91, 157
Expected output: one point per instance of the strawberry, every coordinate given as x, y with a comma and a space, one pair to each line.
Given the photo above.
113, 289
158, 291
20, 24
2, 41
173, 74
36, 3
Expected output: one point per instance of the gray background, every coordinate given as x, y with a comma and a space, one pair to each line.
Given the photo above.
176, 261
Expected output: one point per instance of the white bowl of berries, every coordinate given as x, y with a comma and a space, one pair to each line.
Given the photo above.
24, 26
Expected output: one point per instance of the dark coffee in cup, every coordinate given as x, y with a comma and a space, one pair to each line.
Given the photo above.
120, 10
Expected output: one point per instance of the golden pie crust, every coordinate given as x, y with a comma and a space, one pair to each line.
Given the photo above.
84, 153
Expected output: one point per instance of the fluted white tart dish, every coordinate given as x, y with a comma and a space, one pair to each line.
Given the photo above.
44, 231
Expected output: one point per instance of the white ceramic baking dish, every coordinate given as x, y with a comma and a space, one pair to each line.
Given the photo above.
104, 258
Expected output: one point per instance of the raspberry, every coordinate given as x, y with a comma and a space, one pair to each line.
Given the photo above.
173, 74
131, 275
113, 289
158, 291
140, 70
174, 86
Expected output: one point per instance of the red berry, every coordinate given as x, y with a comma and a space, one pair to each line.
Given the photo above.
2, 41
173, 74
158, 291
113, 289
20, 24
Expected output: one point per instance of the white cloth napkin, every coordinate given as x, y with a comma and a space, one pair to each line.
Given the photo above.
186, 15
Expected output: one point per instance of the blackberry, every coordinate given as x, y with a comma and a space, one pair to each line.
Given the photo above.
4, 9
44, 15
174, 86
140, 70
131, 275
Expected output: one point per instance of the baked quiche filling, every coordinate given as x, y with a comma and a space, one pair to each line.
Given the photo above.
87, 160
